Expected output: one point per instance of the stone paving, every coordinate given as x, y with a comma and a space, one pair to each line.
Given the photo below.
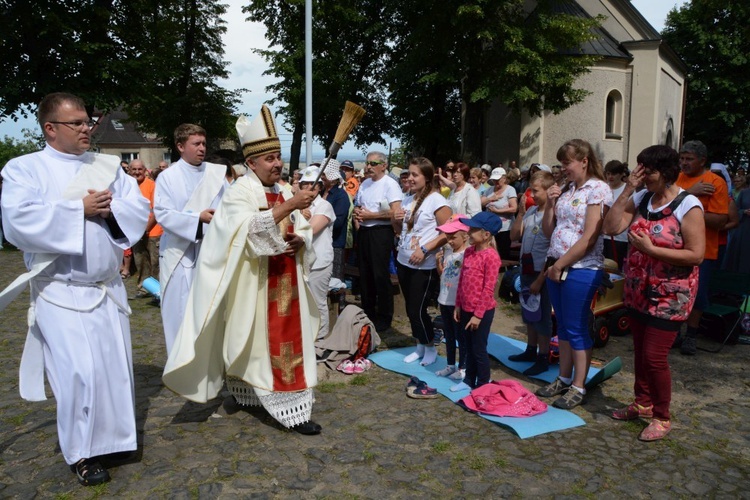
376, 443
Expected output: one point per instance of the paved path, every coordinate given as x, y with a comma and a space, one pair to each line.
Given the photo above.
376, 443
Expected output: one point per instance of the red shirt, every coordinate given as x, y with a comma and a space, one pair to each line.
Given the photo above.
476, 285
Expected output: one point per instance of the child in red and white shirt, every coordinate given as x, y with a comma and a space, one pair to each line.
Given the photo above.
475, 297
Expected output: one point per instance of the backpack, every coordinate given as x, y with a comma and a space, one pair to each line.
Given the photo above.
510, 285
353, 336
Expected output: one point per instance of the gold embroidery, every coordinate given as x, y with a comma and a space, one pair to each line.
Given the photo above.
287, 361
283, 295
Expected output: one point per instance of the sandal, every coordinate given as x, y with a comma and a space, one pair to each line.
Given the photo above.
656, 430
421, 391
633, 411
90, 472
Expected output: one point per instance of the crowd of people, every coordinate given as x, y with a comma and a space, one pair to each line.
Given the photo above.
245, 256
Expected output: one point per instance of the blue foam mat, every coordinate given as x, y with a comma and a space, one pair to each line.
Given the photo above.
553, 419
500, 347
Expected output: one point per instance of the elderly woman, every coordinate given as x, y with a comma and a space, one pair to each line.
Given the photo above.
667, 242
503, 202
464, 198
573, 219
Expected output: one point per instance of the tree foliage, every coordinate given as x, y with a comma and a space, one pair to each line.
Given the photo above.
11, 148
349, 50
158, 59
430, 62
713, 38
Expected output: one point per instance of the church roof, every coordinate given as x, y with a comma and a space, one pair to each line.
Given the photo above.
603, 44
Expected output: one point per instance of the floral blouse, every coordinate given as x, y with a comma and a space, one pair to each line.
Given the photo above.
570, 214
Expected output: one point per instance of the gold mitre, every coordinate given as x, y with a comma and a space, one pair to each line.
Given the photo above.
258, 137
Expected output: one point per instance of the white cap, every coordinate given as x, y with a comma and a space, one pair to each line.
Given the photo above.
545, 168
309, 174
497, 173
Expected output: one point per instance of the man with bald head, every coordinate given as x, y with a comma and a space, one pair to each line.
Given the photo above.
73, 212
146, 251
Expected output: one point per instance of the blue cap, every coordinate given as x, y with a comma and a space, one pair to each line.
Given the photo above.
485, 220
347, 164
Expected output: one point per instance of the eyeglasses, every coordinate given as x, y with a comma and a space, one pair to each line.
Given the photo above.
374, 163
77, 124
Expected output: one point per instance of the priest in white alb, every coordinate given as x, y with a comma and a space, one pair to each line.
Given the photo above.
251, 319
185, 198
73, 212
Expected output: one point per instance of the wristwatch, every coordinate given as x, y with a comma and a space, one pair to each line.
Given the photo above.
424, 250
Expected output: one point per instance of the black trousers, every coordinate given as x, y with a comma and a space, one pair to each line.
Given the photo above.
418, 287
374, 249
477, 359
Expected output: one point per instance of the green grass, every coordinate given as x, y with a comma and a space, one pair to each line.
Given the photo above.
328, 387
359, 380
441, 446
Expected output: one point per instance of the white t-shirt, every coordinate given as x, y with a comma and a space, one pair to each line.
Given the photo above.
423, 231
687, 204
623, 236
323, 241
452, 263
504, 202
377, 196
467, 201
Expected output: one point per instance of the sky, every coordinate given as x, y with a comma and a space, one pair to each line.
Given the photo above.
246, 70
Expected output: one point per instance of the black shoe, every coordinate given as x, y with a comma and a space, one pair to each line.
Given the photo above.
140, 295
528, 355
540, 366
309, 428
90, 472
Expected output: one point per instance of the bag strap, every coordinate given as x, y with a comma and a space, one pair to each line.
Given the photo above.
665, 212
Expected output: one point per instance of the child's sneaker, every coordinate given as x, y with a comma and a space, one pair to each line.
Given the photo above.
422, 391
458, 374
448, 370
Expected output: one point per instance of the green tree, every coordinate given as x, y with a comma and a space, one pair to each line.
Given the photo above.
713, 38
11, 148
349, 47
457, 56
159, 59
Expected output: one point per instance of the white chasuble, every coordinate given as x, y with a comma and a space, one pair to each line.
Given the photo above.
226, 326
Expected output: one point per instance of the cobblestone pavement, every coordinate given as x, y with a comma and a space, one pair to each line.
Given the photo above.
376, 443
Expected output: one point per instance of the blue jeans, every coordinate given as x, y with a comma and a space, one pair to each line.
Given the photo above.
572, 302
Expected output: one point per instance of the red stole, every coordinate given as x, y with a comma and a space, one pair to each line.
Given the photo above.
284, 319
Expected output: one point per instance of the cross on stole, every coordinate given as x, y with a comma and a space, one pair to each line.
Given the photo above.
287, 361
283, 294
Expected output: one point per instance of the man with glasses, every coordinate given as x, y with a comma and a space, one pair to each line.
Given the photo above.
73, 213
378, 197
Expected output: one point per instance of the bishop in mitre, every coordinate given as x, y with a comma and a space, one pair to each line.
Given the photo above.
251, 319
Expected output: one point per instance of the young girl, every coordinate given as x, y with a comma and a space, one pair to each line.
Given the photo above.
449, 264
475, 302
534, 246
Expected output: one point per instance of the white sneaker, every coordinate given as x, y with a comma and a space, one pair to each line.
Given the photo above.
458, 374
448, 370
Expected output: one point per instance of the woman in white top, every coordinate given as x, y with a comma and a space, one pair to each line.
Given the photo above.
503, 202
321, 217
616, 247
421, 212
464, 198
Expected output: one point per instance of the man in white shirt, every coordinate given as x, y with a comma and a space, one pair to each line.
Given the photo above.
377, 198
73, 213
186, 196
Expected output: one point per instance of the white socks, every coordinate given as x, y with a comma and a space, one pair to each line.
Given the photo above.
411, 358
430, 355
